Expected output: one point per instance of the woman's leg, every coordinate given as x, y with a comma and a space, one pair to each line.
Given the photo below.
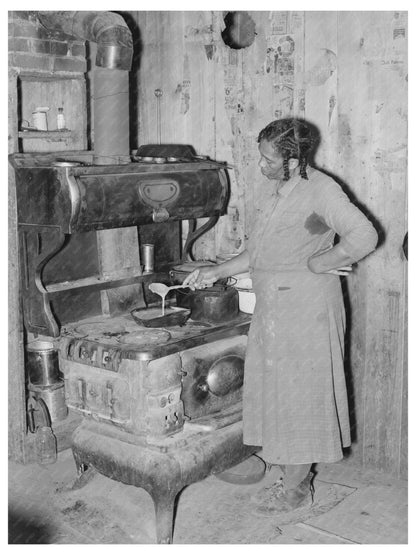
294, 474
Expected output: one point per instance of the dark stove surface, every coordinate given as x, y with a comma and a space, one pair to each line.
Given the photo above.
132, 341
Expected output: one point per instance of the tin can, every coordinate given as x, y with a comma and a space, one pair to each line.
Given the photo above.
42, 363
148, 257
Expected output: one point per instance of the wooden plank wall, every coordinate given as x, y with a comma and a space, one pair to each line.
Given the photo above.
347, 73
372, 112
16, 375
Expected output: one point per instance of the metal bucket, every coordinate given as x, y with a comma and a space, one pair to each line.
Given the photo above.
42, 363
54, 397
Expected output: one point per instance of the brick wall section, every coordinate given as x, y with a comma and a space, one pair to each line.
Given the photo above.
34, 48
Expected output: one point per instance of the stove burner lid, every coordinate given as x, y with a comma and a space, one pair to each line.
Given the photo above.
145, 337
100, 329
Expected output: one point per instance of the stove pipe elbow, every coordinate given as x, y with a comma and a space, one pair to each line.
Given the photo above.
107, 29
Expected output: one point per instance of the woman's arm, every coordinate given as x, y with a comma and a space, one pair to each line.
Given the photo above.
357, 235
206, 275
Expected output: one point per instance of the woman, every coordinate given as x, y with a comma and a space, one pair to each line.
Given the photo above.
295, 399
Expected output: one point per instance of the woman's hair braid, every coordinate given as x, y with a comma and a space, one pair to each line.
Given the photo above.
286, 168
302, 168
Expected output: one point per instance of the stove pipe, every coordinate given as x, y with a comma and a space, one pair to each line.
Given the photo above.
111, 76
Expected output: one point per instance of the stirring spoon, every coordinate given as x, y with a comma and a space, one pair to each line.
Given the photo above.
162, 290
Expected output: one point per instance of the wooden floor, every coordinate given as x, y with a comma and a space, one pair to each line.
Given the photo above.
351, 506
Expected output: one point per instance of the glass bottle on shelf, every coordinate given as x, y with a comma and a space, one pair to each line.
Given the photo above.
60, 119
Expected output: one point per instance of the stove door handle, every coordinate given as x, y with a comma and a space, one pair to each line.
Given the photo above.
110, 398
160, 215
82, 391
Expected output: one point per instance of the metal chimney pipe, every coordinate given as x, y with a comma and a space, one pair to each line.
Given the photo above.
114, 54
110, 91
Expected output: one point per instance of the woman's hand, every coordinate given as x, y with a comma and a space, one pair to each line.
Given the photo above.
343, 271
330, 260
201, 277
205, 276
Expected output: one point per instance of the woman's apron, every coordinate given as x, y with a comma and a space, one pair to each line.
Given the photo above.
295, 399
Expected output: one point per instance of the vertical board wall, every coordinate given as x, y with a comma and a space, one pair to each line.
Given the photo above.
347, 73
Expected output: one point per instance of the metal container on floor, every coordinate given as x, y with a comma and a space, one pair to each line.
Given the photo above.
54, 398
45, 378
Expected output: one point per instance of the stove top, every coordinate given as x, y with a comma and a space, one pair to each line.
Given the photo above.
122, 338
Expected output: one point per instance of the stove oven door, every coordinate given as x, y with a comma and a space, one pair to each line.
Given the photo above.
212, 382
98, 392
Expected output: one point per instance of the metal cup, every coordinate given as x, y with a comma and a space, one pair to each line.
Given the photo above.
148, 257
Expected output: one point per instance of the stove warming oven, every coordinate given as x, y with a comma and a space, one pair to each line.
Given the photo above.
161, 406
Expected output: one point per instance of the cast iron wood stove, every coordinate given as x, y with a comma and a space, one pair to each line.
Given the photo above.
161, 406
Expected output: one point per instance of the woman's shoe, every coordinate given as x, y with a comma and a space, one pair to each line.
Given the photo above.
276, 499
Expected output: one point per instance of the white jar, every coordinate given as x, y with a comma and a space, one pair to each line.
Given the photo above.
246, 300
40, 120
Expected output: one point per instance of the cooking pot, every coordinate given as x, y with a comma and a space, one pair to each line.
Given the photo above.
213, 305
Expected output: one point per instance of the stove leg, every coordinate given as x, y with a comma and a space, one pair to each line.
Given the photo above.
84, 477
164, 502
85, 472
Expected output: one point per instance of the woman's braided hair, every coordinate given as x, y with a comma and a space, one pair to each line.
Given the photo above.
293, 138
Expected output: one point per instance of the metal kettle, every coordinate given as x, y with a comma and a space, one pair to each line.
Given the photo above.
212, 305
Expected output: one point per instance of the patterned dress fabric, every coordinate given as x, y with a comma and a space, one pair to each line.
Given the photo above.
295, 398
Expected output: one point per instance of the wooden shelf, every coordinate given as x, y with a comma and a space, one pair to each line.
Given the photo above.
56, 135
98, 283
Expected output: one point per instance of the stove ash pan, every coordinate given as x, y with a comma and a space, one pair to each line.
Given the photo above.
152, 399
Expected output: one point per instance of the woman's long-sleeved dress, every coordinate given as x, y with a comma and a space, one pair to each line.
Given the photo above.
295, 399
